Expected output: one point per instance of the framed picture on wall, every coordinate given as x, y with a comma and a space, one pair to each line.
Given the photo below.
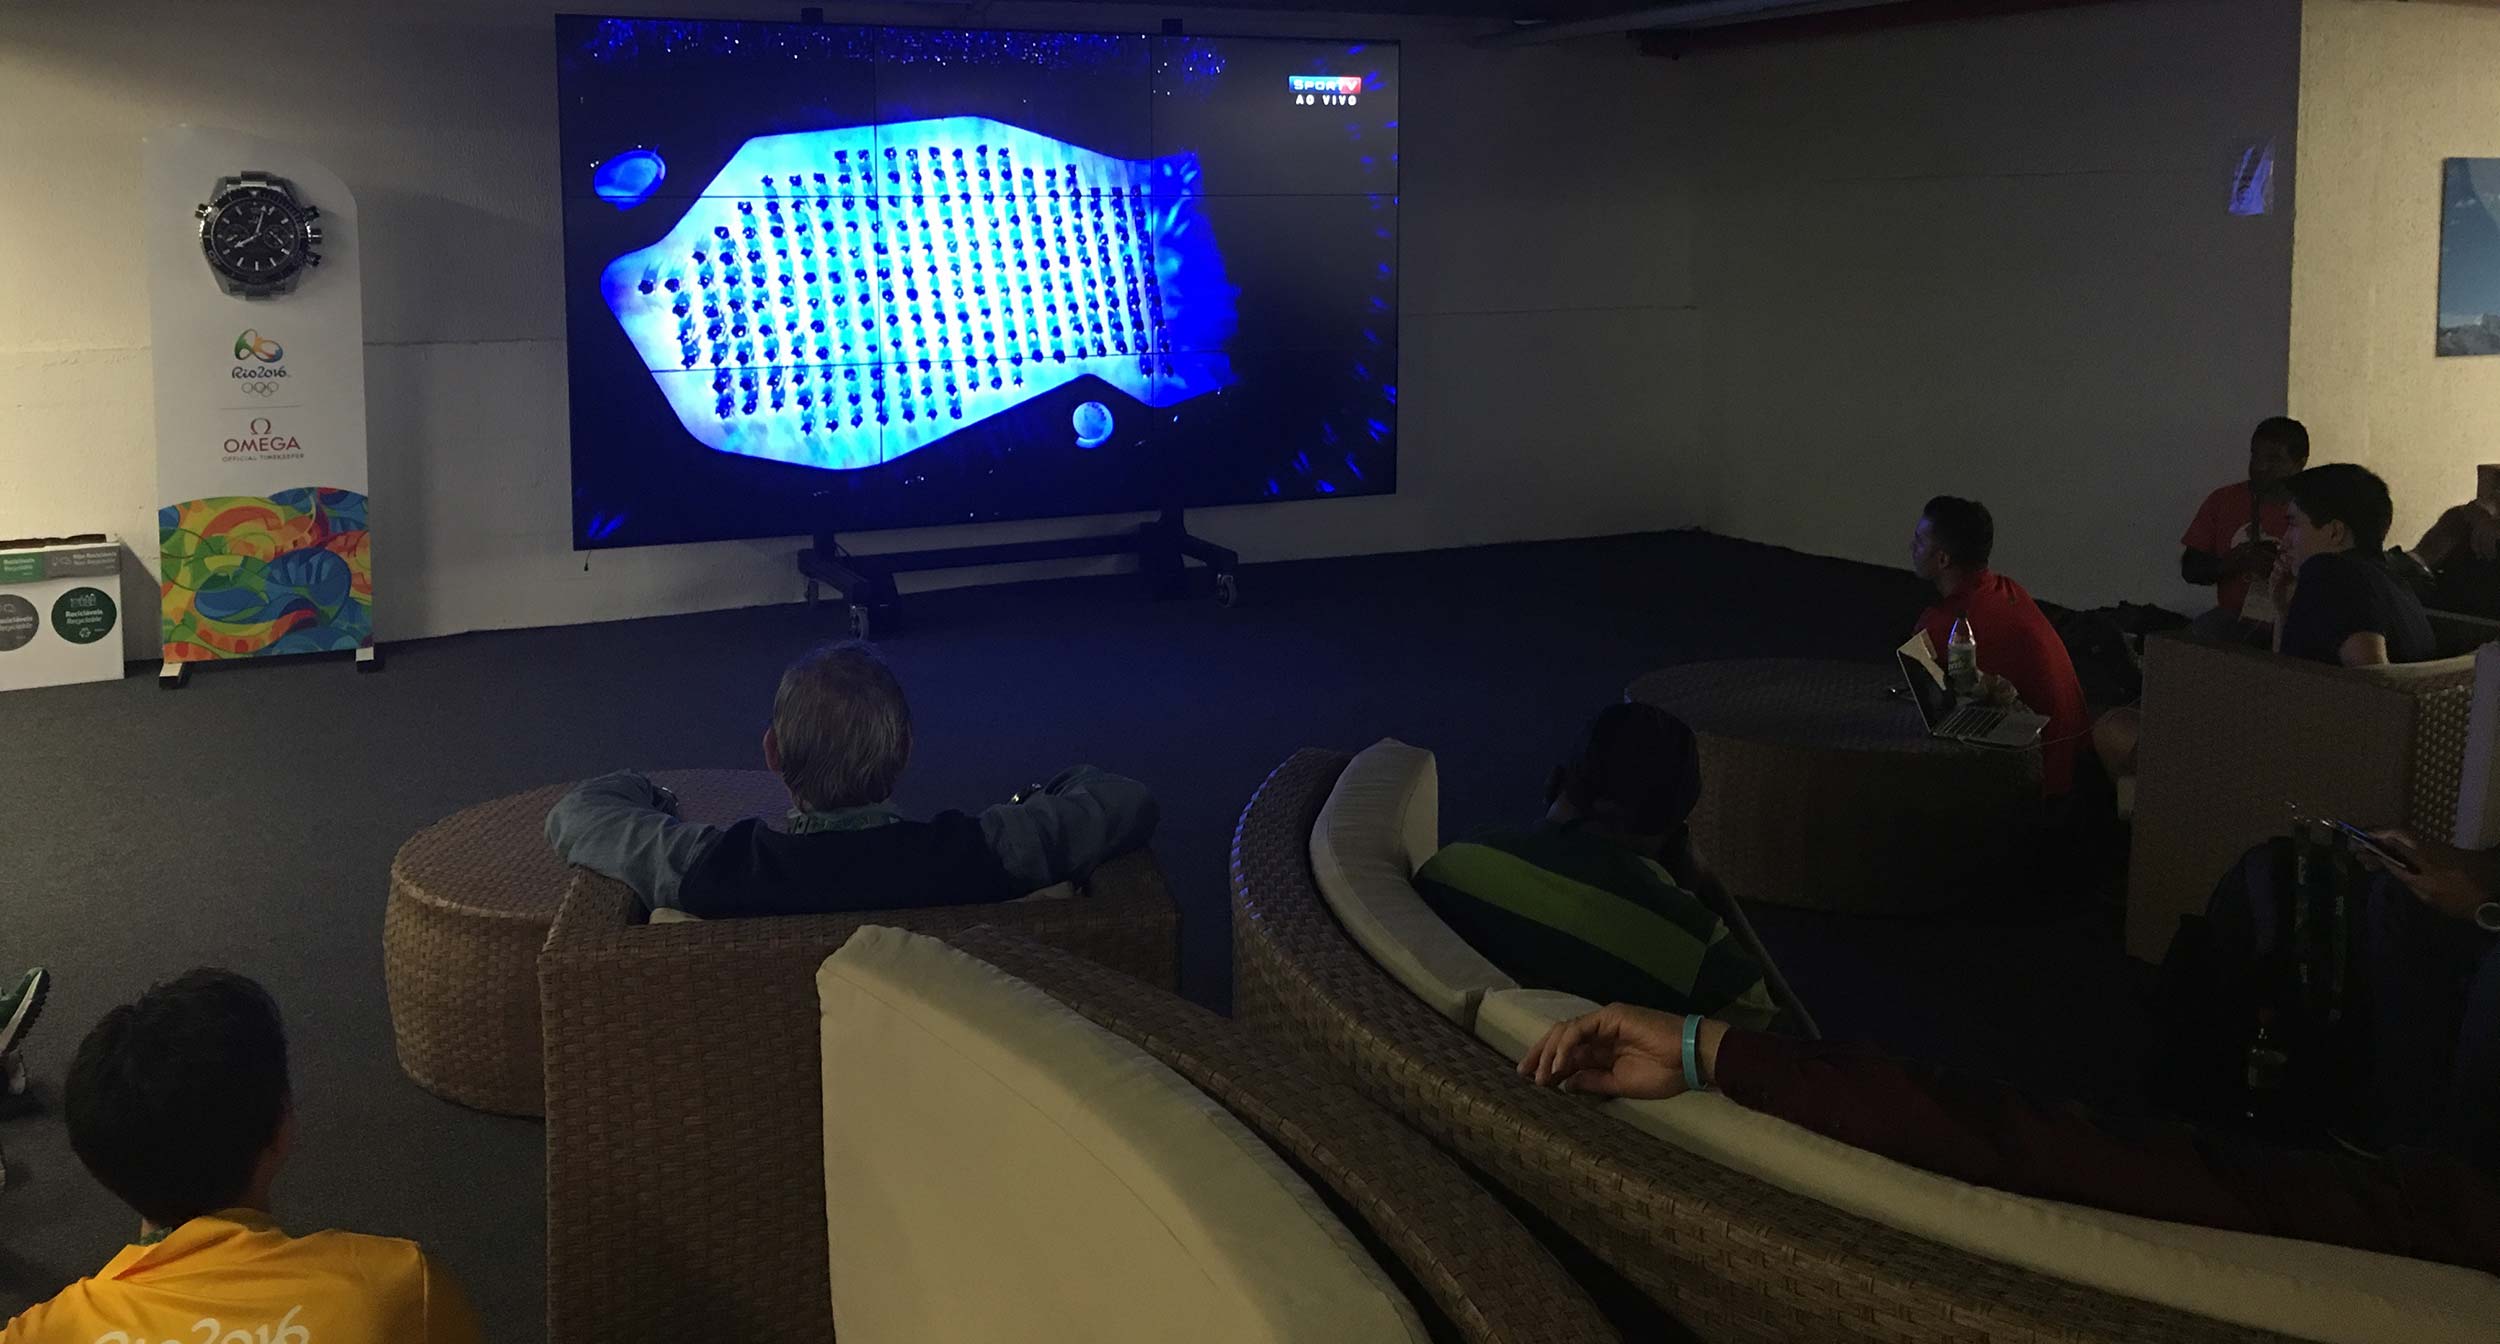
2469, 258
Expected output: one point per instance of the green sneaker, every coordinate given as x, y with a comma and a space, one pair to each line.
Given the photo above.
20, 1006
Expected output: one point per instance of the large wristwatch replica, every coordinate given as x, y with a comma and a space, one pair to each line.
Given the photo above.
258, 234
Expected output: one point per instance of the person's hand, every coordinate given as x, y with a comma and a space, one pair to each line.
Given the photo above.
1692, 872
2252, 558
2285, 579
1682, 860
1617, 1051
2484, 538
2453, 881
1996, 692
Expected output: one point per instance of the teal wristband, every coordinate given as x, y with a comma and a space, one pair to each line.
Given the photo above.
1692, 1052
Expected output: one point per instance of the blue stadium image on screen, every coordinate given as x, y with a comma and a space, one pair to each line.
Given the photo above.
831, 278
859, 293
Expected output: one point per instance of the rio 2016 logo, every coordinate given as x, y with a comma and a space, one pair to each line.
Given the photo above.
285, 1330
251, 349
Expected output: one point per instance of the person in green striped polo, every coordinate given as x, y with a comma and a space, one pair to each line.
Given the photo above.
1587, 901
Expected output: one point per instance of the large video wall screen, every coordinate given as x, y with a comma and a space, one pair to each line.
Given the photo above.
852, 277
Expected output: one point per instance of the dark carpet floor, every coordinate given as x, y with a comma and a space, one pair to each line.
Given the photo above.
249, 820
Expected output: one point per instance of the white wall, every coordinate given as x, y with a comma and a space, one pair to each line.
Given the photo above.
1552, 382
2387, 91
1994, 259
1785, 291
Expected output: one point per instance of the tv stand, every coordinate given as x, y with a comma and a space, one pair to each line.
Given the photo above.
1163, 547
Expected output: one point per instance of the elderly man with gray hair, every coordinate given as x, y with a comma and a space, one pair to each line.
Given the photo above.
840, 737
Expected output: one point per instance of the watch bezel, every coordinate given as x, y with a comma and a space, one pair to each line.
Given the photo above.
297, 225
234, 192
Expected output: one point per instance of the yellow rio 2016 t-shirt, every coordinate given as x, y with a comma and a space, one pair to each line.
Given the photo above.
235, 1278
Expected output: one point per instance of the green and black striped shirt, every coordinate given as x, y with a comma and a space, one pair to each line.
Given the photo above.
1560, 909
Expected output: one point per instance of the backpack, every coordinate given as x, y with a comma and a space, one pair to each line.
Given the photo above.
2222, 967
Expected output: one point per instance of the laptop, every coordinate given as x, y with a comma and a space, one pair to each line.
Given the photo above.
1975, 724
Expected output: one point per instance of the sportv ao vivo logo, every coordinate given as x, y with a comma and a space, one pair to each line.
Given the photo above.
1326, 90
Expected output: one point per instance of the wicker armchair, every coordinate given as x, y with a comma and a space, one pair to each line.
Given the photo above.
1730, 1257
2231, 735
685, 1153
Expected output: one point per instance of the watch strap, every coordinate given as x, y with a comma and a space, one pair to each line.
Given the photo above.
252, 177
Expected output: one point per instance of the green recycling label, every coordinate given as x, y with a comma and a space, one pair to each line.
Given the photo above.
83, 615
18, 622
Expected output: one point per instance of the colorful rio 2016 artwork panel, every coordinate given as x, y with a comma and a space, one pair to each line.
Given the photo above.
247, 576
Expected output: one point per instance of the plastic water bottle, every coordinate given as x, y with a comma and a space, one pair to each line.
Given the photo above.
2268, 1068
1961, 659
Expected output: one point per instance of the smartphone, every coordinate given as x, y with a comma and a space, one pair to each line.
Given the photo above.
2370, 842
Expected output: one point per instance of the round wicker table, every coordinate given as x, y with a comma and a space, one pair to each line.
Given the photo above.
1821, 789
472, 898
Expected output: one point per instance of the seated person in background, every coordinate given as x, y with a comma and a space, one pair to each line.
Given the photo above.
2339, 603
2426, 1205
2232, 544
840, 737
1950, 549
180, 1105
20, 1005
2462, 551
1584, 901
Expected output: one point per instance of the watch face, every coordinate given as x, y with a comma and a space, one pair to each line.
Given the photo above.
256, 235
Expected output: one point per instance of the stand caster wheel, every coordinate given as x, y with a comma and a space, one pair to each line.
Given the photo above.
859, 622
1227, 592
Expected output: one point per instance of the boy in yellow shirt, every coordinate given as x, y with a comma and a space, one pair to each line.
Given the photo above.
180, 1105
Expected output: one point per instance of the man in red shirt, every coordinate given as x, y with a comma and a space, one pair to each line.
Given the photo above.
2232, 544
2231, 548
1951, 549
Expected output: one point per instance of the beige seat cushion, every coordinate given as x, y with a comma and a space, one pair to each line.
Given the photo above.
1378, 826
1511, 1020
998, 1168
2300, 1288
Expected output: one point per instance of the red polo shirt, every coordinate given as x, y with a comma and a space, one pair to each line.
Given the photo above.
2017, 642
2230, 516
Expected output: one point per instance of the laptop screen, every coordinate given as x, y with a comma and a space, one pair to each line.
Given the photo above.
1918, 665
